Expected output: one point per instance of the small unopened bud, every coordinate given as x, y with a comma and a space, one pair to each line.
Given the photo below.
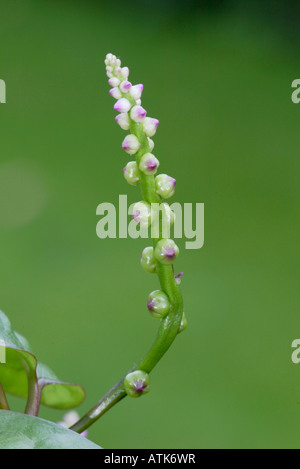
149, 164
136, 383
166, 251
148, 261
136, 91
138, 114
165, 185
183, 324
115, 93
125, 86
114, 82
151, 144
118, 72
131, 144
122, 105
131, 173
141, 214
150, 126
125, 72
158, 304
123, 120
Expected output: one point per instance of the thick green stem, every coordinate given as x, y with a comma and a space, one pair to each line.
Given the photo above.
169, 326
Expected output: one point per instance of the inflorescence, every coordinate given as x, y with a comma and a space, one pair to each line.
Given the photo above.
133, 118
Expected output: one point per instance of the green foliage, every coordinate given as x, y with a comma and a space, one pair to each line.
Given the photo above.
21, 363
19, 431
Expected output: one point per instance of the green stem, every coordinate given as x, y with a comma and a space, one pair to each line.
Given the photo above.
169, 326
3, 401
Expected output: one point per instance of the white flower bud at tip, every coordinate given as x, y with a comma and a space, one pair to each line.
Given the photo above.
125, 72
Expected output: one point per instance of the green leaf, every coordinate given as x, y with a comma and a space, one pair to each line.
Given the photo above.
21, 362
19, 431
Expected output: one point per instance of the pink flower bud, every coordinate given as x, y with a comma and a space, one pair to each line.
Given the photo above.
150, 126
114, 81
122, 105
115, 93
125, 86
123, 120
131, 144
149, 164
136, 91
141, 214
138, 113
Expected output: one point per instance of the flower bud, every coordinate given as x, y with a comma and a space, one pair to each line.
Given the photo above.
148, 261
158, 304
165, 185
114, 81
138, 114
115, 93
136, 383
122, 105
183, 324
149, 164
131, 173
125, 72
118, 72
166, 251
138, 102
168, 213
136, 91
141, 214
150, 126
131, 144
151, 144
123, 120
125, 86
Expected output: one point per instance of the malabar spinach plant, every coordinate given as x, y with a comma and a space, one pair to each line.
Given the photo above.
22, 375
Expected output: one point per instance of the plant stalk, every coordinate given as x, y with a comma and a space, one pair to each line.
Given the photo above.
169, 326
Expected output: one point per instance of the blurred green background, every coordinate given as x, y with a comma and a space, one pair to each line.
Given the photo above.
219, 79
